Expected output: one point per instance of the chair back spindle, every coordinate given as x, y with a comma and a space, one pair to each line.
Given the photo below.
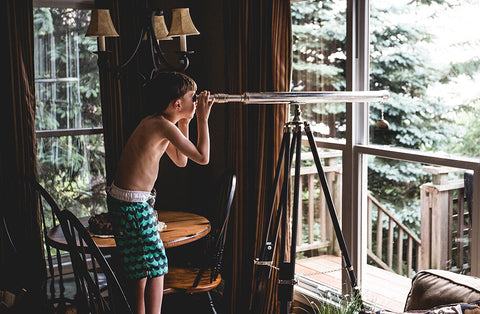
227, 193
87, 260
53, 210
205, 276
49, 211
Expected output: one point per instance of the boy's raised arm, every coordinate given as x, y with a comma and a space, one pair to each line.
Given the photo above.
200, 153
175, 155
203, 112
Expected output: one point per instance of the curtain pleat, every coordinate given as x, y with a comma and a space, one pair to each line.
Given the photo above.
259, 59
24, 268
120, 96
112, 117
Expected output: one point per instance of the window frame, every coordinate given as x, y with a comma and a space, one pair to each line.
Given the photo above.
72, 4
356, 148
358, 59
358, 79
68, 132
51, 133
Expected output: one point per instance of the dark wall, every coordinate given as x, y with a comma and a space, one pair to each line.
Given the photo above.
192, 188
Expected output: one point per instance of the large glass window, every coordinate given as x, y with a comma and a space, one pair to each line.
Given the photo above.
319, 64
425, 53
319, 61
70, 148
319, 29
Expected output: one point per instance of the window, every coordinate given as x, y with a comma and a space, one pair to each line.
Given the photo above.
425, 53
319, 61
70, 148
319, 64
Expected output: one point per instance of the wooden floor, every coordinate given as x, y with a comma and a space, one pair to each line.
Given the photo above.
383, 288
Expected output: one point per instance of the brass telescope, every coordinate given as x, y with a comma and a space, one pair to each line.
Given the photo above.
267, 98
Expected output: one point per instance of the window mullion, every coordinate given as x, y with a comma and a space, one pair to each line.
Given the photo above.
69, 132
355, 166
475, 245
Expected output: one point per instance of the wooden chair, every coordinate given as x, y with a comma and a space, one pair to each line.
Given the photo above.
49, 211
205, 275
88, 261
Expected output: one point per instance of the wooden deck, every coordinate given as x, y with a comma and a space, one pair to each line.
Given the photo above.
385, 289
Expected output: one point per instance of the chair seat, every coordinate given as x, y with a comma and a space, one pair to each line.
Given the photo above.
182, 279
193, 280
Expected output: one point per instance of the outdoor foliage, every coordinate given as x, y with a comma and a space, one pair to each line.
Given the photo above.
72, 168
401, 62
329, 303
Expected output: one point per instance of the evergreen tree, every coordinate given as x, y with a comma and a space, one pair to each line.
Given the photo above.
67, 96
400, 62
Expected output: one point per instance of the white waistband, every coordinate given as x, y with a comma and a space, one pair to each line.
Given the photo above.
129, 196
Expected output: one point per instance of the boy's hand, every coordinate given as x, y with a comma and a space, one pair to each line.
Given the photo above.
204, 105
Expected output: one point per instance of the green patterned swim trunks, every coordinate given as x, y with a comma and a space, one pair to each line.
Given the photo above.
140, 247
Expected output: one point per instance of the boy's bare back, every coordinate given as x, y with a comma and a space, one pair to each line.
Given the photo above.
156, 134
138, 165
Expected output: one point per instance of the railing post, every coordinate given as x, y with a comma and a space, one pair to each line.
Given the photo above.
425, 225
300, 214
311, 207
332, 180
435, 234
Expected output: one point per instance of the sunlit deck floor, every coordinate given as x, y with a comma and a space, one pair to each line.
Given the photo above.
383, 288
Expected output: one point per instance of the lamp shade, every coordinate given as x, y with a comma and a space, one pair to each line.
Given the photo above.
160, 28
182, 23
161, 31
101, 24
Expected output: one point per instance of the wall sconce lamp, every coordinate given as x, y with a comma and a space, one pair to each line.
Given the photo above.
153, 30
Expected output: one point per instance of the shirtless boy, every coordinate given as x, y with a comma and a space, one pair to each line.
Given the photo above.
172, 104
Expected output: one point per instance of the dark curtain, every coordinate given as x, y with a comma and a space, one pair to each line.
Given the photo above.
24, 267
120, 90
258, 40
112, 115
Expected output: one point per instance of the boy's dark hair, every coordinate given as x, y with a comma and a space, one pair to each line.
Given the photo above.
164, 88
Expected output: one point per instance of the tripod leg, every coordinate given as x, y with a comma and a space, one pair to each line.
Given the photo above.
331, 209
283, 196
267, 249
287, 267
296, 194
270, 235
283, 202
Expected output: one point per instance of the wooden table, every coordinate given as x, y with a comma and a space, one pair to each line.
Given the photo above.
182, 228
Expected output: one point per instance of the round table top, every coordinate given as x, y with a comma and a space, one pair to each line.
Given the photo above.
181, 228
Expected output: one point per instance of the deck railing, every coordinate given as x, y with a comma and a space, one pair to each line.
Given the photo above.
391, 245
397, 237
314, 222
445, 229
316, 231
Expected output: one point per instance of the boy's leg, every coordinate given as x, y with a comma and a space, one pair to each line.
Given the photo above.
154, 295
139, 293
